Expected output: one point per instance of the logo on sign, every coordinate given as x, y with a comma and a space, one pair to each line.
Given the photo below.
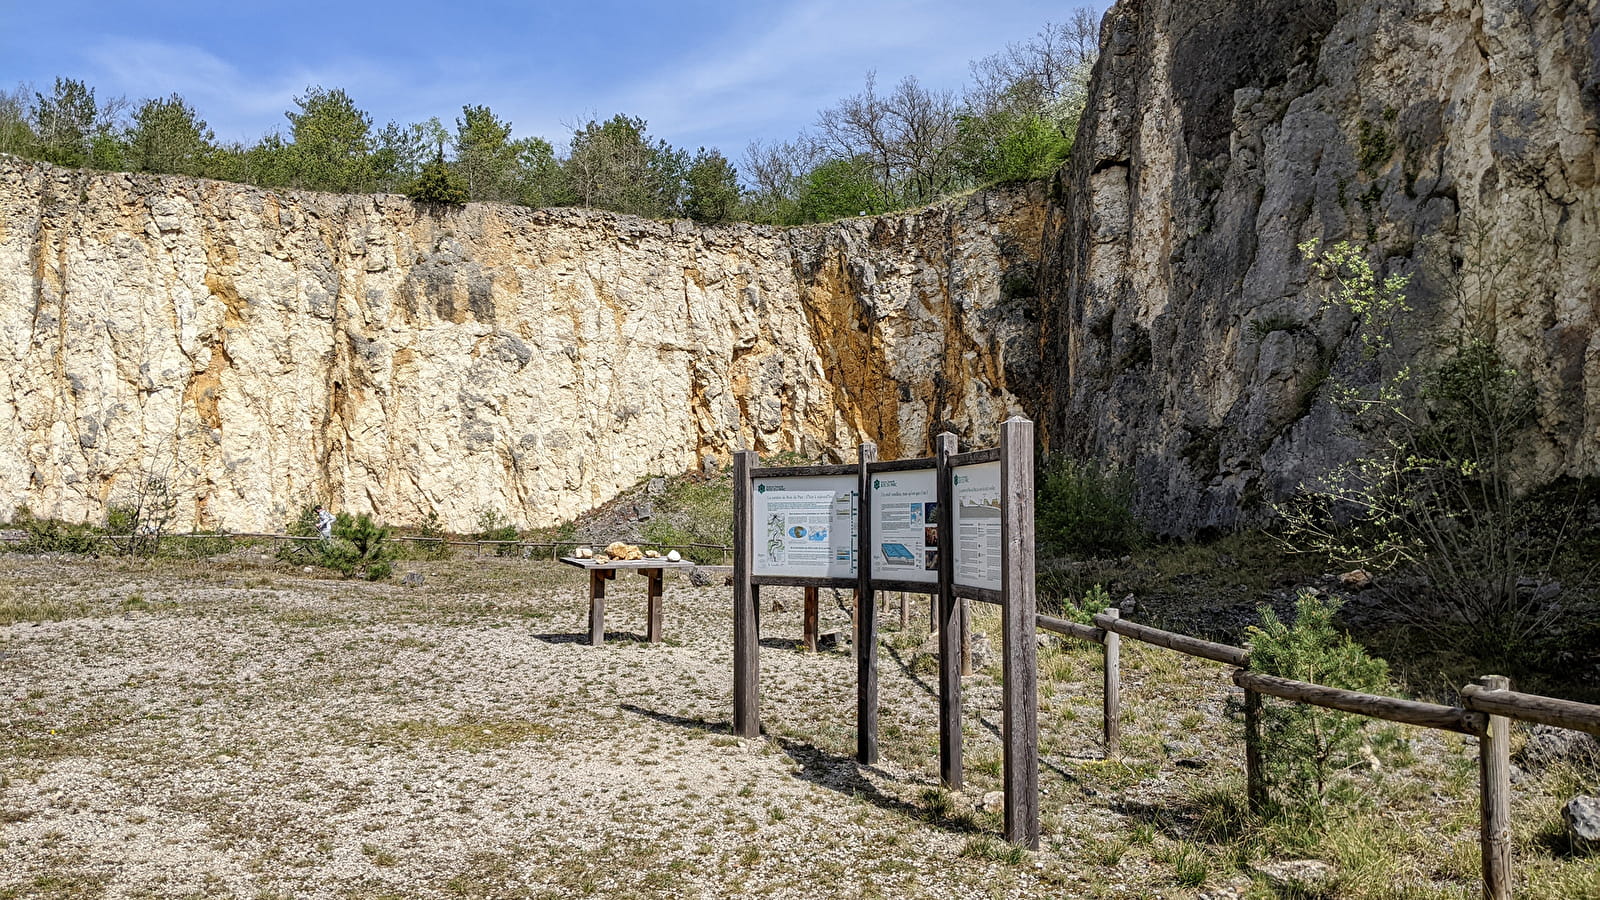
961, 478
876, 484
761, 489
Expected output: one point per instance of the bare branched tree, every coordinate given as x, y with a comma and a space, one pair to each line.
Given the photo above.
1048, 72
908, 136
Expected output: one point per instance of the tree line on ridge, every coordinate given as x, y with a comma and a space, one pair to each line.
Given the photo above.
872, 152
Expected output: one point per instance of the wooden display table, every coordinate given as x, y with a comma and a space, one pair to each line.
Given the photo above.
602, 572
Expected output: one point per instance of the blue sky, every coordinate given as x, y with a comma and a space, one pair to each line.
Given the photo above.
701, 72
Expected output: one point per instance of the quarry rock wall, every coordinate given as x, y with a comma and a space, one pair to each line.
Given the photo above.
260, 349
1149, 306
1455, 142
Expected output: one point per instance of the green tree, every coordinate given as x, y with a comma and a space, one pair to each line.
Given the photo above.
840, 188
64, 123
1010, 146
437, 184
266, 163
541, 180
331, 142
486, 157
1086, 510
400, 152
1308, 750
613, 165
168, 136
16, 137
1442, 493
359, 546
711, 187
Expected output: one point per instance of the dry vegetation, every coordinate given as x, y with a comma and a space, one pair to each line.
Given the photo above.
242, 728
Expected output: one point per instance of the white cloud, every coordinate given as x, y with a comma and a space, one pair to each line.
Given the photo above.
236, 104
771, 82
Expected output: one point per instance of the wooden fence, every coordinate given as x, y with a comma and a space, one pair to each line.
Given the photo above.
1486, 710
477, 546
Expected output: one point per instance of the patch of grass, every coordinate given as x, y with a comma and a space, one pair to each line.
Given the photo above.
59, 885
992, 849
473, 735
17, 607
1190, 863
1108, 851
693, 509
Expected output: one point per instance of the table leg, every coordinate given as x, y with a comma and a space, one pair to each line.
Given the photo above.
597, 607
811, 624
652, 578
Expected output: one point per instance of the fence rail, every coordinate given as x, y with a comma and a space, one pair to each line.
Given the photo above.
1485, 712
15, 537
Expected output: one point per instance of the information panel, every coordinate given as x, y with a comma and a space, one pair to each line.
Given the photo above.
805, 525
905, 525
977, 525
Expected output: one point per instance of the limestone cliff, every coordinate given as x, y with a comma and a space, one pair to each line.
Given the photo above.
1459, 140
262, 349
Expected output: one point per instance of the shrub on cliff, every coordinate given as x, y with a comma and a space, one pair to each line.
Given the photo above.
437, 184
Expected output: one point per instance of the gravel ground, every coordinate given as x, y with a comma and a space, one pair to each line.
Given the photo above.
240, 727
249, 729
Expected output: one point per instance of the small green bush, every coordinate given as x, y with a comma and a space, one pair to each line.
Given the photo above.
694, 510
493, 526
359, 546
1308, 751
434, 536
303, 525
53, 535
1085, 509
1095, 601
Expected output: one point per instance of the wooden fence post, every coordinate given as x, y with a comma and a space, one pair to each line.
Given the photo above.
1494, 785
949, 627
746, 630
1112, 645
1021, 620
1255, 778
905, 612
866, 637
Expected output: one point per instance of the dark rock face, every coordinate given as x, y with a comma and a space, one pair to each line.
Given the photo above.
1457, 142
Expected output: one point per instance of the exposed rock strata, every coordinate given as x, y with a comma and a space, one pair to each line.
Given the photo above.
266, 348
262, 349
1451, 136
